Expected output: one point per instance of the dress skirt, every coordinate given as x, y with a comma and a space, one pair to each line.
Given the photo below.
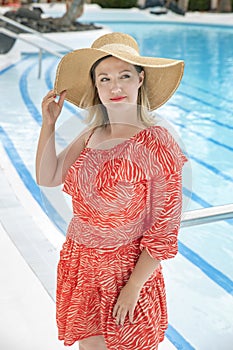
88, 284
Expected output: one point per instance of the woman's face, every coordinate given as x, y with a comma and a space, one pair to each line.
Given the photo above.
117, 82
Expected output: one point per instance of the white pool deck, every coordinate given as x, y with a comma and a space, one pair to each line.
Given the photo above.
27, 316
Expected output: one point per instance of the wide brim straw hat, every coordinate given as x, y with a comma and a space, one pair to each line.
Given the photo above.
163, 75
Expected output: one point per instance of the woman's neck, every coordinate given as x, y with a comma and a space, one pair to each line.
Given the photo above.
120, 121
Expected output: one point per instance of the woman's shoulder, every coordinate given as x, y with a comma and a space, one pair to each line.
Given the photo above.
156, 135
161, 133
167, 147
75, 148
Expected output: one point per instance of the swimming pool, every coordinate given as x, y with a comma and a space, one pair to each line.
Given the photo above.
199, 280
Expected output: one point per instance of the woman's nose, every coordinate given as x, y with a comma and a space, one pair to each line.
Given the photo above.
115, 88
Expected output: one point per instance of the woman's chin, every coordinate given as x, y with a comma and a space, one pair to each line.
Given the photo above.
119, 105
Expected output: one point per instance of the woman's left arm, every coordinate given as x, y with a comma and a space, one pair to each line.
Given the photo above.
160, 240
129, 294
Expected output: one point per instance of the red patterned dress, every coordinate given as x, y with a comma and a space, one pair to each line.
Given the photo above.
125, 199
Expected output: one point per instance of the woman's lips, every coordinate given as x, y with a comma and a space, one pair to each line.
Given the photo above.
118, 99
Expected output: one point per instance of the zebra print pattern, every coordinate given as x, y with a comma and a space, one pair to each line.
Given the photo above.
125, 199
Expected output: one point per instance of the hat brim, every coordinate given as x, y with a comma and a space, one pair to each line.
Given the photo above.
163, 75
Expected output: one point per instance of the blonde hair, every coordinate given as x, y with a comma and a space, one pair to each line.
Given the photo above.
97, 114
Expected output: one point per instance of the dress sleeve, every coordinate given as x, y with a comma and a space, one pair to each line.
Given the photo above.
164, 199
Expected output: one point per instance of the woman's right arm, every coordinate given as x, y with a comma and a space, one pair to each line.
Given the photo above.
50, 168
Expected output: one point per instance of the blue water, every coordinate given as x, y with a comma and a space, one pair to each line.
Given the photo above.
199, 279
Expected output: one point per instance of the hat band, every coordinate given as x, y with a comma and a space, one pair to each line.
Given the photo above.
119, 47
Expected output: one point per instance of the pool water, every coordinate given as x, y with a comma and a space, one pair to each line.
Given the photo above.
200, 278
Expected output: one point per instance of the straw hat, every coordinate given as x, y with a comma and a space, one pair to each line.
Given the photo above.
73, 73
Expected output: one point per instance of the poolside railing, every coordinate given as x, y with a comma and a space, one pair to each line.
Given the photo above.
207, 215
33, 31
41, 48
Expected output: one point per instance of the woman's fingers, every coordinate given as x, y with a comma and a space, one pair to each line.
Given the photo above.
114, 313
49, 97
131, 313
51, 108
126, 304
62, 98
51, 93
120, 314
120, 319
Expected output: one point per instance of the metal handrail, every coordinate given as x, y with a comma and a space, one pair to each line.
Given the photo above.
40, 47
207, 215
36, 33
33, 31
16, 36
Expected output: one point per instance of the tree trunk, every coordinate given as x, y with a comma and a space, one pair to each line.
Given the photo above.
224, 6
74, 10
183, 4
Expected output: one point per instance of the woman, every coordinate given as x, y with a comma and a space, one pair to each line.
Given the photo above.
124, 176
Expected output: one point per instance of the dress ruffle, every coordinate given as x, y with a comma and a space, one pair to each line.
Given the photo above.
89, 282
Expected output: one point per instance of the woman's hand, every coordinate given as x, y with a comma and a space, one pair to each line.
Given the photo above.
126, 303
51, 108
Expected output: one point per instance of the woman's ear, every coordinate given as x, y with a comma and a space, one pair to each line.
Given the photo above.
141, 78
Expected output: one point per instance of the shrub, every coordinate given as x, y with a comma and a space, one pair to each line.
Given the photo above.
199, 5
116, 3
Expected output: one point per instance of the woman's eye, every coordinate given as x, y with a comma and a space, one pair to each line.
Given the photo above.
125, 76
104, 79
